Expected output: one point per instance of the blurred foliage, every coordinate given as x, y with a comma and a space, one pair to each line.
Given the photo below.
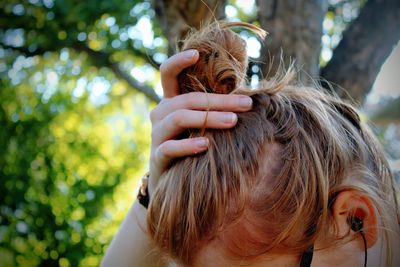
48, 25
70, 156
74, 136
67, 159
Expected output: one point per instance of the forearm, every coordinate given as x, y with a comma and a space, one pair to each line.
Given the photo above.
131, 246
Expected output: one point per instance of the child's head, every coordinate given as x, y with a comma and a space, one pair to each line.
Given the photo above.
289, 176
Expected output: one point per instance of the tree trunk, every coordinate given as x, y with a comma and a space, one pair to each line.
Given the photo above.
365, 45
176, 17
295, 31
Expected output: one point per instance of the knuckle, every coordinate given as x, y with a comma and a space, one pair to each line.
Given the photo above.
159, 153
162, 151
171, 103
163, 102
177, 117
153, 115
164, 68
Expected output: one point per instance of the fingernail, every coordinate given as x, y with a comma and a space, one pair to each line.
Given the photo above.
189, 54
245, 101
229, 118
201, 143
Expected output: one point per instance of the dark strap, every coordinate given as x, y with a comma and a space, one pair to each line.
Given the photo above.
306, 258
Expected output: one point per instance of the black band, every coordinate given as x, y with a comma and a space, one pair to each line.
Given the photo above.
144, 199
307, 257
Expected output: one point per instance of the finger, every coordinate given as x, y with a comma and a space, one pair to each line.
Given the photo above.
202, 101
179, 120
172, 149
172, 67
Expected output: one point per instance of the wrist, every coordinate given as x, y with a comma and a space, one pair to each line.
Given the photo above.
152, 180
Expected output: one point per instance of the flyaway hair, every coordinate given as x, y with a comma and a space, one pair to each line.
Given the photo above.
268, 183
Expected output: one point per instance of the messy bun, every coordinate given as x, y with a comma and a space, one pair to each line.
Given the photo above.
222, 64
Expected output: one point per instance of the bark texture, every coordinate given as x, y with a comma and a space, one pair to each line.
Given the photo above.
365, 45
295, 31
176, 17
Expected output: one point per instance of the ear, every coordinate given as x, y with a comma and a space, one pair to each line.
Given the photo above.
350, 204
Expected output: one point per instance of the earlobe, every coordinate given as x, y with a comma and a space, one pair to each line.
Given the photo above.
351, 204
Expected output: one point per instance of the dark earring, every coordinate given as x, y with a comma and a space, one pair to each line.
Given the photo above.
356, 224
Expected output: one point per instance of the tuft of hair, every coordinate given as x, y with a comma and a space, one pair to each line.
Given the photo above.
268, 183
222, 64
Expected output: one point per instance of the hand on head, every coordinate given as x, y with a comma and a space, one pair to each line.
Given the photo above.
175, 113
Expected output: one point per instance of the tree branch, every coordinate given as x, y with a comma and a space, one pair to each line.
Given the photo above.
147, 90
363, 49
25, 51
147, 58
103, 59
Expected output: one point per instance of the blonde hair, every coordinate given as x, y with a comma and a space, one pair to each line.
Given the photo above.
275, 175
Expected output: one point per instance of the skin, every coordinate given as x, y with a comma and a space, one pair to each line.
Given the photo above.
175, 113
